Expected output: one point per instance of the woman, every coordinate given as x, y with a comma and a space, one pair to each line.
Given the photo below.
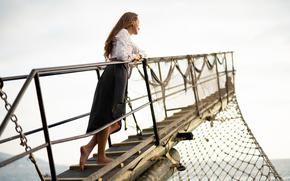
110, 95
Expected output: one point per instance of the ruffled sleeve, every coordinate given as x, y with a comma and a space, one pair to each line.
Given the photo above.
121, 46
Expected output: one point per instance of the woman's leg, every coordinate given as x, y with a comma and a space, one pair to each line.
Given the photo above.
87, 149
114, 127
102, 141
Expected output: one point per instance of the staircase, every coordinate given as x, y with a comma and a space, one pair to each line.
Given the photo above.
128, 153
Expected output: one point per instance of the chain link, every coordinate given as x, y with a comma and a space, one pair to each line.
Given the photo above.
14, 119
19, 130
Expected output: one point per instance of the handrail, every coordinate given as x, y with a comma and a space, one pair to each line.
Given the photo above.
86, 114
72, 69
21, 155
61, 69
99, 129
79, 136
49, 71
49, 126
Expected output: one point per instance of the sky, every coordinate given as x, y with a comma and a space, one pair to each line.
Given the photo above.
39, 33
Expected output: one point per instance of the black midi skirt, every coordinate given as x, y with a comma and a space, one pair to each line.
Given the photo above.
110, 97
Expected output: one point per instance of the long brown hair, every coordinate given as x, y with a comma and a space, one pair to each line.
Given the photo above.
124, 22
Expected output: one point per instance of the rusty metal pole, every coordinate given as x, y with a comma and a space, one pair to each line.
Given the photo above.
45, 128
163, 91
234, 72
218, 80
157, 140
194, 83
227, 78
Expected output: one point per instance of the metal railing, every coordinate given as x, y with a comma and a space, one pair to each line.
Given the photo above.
35, 75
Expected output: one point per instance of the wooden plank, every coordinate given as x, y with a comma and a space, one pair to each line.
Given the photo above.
146, 130
143, 135
120, 148
111, 153
120, 159
87, 166
180, 113
132, 163
126, 143
65, 179
163, 123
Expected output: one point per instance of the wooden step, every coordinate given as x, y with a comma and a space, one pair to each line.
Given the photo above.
146, 130
64, 179
125, 143
115, 153
87, 166
179, 113
171, 118
111, 153
164, 123
144, 135
137, 138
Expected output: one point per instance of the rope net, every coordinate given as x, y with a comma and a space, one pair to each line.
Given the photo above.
224, 149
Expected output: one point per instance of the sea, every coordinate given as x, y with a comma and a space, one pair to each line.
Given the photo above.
283, 168
23, 169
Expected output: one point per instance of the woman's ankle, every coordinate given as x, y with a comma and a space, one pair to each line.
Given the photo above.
104, 159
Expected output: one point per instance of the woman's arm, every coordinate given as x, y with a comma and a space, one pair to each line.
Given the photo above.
138, 51
121, 46
125, 49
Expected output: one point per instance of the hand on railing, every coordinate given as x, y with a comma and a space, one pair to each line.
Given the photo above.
136, 58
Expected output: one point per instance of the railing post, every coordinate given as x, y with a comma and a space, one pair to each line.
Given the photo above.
45, 127
218, 79
233, 70
157, 141
163, 90
227, 78
194, 84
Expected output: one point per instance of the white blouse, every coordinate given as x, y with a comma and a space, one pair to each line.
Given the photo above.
123, 48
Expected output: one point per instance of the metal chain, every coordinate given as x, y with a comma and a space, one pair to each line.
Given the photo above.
19, 130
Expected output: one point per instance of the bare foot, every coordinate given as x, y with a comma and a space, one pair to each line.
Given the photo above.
84, 156
104, 160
